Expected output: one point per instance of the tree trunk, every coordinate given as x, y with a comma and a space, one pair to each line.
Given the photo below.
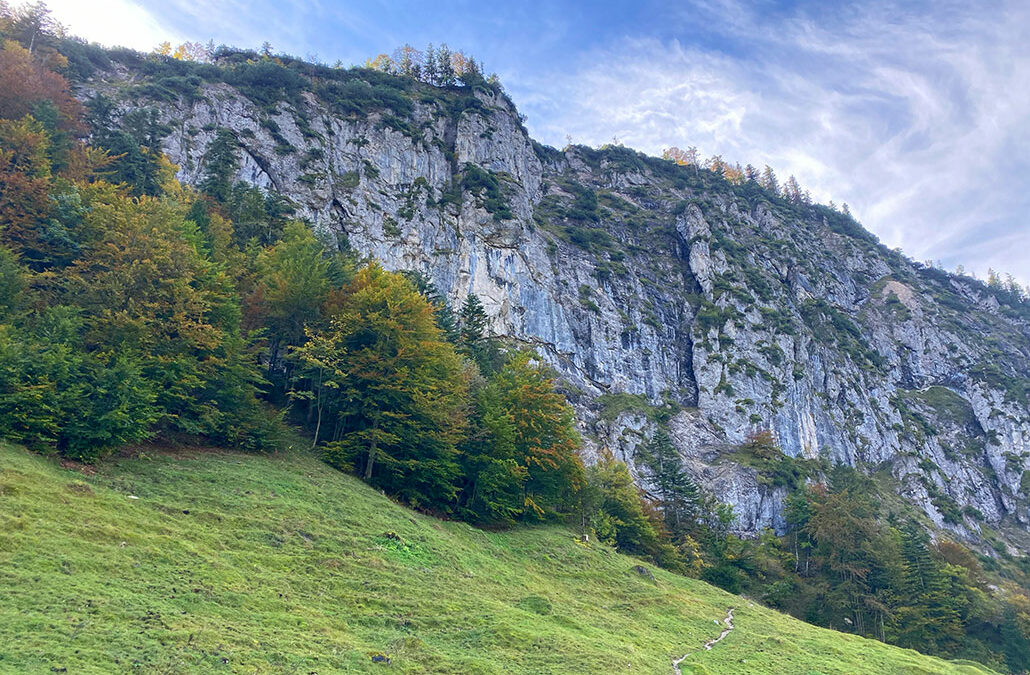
371, 460
318, 397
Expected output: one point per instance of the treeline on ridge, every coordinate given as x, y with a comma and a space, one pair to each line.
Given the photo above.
134, 307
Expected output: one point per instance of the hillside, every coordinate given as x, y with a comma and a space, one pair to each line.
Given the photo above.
640, 281
677, 357
214, 561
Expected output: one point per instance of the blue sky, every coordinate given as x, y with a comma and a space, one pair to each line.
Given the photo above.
917, 114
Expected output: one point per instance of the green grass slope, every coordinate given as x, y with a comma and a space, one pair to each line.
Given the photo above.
229, 563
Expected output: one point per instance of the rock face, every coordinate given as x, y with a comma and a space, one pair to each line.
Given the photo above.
631, 275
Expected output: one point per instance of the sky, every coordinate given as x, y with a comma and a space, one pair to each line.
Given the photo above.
916, 114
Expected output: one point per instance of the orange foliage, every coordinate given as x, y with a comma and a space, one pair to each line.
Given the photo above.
24, 83
24, 184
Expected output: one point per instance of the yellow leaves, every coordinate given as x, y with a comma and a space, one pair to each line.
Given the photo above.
688, 157
531, 505
166, 173
186, 51
382, 63
24, 147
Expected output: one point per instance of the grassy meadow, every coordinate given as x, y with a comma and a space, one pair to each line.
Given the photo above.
219, 562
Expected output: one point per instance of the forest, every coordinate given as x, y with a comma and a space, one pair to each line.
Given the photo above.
135, 308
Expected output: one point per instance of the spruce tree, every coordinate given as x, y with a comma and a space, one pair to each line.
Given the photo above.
473, 340
445, 317
220, 162
444, 68
768, 180
472, 322
679, 496
429, 67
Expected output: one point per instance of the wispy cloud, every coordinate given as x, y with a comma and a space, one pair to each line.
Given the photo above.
919, 119
115, 23
916, 113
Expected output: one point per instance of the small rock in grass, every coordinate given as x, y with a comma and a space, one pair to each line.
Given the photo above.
643, 571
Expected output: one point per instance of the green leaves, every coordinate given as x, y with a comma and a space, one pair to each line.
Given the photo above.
53, 392
390, 386
519, 457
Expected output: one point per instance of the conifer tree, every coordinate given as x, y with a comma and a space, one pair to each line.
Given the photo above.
929, 615
473, 340
792, 191
220, 161
678, 495
430, 66
405, 58
768, 180
444, 68
472, 321
445, 317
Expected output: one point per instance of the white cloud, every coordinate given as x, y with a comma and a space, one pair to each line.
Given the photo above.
121, 23
918, 120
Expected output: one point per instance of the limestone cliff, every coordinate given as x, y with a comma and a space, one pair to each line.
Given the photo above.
632, 275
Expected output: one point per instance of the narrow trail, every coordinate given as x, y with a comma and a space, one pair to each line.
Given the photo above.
708, 645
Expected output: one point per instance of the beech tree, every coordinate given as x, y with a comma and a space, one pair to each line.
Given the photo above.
292, 286
621, 517
543, 435
398, 394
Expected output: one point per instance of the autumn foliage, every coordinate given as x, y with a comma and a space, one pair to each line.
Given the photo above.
25, 85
